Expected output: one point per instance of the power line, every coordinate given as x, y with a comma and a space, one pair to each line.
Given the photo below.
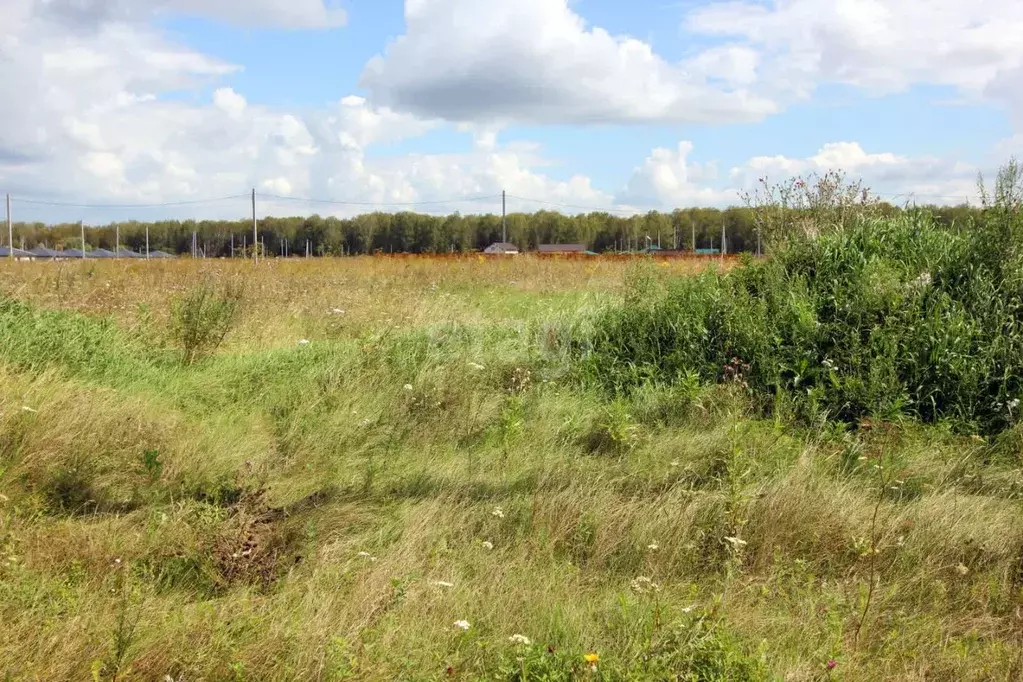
39, 202
336, 202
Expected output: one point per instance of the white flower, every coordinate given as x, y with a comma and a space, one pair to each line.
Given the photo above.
303, 342
519, 639
498, 512
408, 387
26, 408
653, 546
644, 585
736, 543
487, 544
829, 364
476, 366
337, 311
675, 463
441, 583
1014, 403
365, 422
462, 625
367, 555
961, 569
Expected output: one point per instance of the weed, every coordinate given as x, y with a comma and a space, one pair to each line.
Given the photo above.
202, 317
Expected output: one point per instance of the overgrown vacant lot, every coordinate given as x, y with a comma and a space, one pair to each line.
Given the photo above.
498, 469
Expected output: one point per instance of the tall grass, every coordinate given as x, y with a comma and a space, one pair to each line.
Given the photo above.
330, 510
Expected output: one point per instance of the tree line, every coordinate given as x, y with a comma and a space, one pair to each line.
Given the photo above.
408, 232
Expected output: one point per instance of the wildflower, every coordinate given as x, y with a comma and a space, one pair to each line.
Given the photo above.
462, 625
303, 342
487, 544
736, 543
441, 583
26, 408
644, 585
653, 546
476, 366
592, 660
337, 311
1013, 404
519, 639
675, 463
961, 569
367, 555
365, 422
408, 387
498, 512
832, 663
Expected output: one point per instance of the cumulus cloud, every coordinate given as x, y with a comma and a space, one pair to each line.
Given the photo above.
882, 46
900, 179
537, 61
668, 178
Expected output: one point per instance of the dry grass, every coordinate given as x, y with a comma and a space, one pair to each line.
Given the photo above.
311, 517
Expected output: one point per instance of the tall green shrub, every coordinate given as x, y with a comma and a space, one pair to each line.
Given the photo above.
881, 317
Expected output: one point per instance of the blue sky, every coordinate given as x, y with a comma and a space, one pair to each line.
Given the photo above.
382, 103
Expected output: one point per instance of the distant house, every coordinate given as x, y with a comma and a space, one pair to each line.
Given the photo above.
502, 247
19, 254
159, 254
707, 252
562, 248
44, 253
99, 253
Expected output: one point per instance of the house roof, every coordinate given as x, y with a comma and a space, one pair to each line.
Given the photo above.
5, 252
99, 253
562, 248
159, 254
43, 252
501, 246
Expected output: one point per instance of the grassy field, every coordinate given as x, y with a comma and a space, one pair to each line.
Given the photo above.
391, 469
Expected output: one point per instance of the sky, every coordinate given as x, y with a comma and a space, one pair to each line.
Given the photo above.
147, 109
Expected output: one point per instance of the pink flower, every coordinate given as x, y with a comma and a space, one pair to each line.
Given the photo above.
832, 663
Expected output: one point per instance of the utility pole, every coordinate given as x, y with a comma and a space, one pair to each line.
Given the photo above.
147, 242
10, 229
693, 226
117, 240
724, 246
81, 224
255, 230
232, 245
504, 217
243, 245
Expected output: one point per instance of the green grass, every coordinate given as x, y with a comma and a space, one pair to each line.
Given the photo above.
329, 511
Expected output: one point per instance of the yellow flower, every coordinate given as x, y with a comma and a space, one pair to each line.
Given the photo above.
591, 658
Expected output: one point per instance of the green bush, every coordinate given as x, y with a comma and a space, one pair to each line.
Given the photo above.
883, 317
202, 317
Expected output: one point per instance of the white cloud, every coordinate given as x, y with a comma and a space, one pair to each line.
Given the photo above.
229, 101
276, 13
900, 179
538, 61
668, 179
882, 46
